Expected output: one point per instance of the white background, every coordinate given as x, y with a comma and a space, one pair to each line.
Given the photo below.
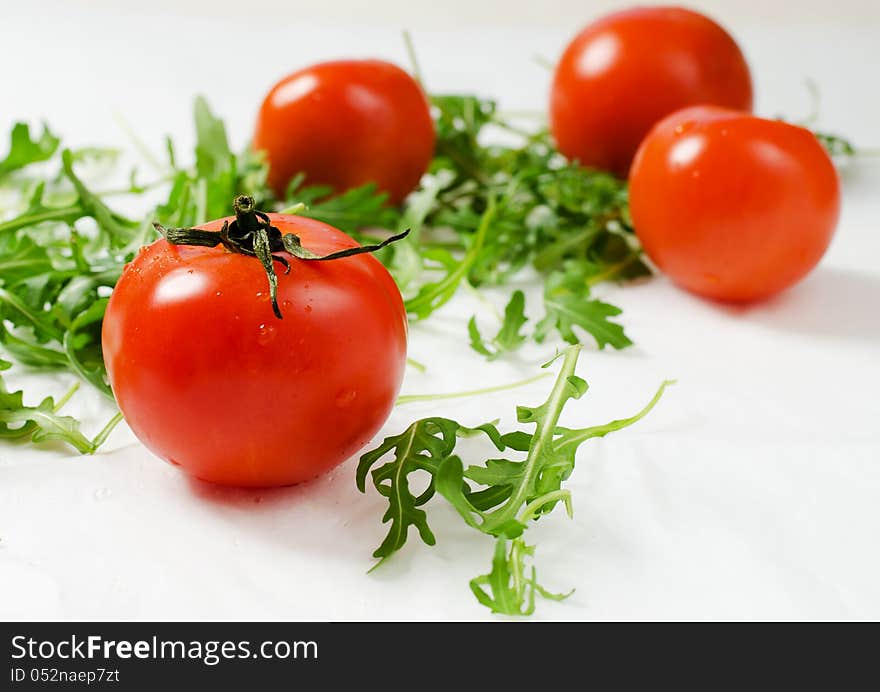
752, 491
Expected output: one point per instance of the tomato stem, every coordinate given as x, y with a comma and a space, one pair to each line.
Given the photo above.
252, 234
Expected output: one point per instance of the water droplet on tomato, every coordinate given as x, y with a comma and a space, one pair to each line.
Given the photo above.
286, 304
346, 398
265, 334
683, 127
308, 308
218, 293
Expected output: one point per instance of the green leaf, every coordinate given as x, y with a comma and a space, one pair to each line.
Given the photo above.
507, 590
508, 337
355, 209
837, 147
421, 447
25, 150
22, 260
432, 296
500, 497
212, 146
42, 422
568, 305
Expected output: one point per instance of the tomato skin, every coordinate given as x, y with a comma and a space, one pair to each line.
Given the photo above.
628, 70
208, 378
347, 123
732, 206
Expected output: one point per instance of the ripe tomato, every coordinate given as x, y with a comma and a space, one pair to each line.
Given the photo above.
626, 71
732, 206
347, 123
209, 379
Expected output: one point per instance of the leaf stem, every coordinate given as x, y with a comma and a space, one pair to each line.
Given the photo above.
104, 433
64, 399
413, 58
25, 220
412, 398
542, 436
416, 365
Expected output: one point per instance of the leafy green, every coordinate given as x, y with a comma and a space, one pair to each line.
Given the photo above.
25, 150
500, 497
421, 447
43, 422
836, 146
567, 305
350, 211
508, 337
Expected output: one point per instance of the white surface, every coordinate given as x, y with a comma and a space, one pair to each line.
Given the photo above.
750, 492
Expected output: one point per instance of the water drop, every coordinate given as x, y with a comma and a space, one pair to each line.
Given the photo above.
218, 293
266, 334
346, 398
308, 308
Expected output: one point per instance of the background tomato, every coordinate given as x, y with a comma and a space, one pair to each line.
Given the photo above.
347, 123
732, 206
208, 378
626, 71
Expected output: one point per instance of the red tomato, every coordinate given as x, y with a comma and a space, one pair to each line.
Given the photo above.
209, 379
732, 206
626, 71
347, 123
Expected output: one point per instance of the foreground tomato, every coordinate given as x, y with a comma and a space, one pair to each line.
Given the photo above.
347, 123
210, 379
626, 71
732, 206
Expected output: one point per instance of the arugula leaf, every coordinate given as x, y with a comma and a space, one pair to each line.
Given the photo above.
423, 446
508, 337
568, 305
212, 145
836, 146
500, 497
433, 295
509, 593
355, 209
43, 422
24, 150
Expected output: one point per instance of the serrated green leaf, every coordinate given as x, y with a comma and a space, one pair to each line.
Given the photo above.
568, 305
25, 150
509, 337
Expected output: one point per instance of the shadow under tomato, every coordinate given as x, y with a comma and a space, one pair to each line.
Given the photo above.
833, 303
235, 497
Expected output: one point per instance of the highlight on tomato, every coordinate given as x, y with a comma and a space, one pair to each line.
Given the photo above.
258, 350
732, 206
344, 124
626, 71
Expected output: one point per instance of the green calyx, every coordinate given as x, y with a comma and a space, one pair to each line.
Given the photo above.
252, 234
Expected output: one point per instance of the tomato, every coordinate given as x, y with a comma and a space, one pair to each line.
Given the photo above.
732, 206
625, 72
347, 123
210, 379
